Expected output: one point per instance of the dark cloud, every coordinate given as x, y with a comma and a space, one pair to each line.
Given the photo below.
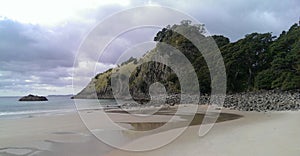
31, 54
33, 45
124, 42
236, 18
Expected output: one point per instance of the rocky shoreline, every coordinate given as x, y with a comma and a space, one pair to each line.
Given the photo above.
259, 101
273, 100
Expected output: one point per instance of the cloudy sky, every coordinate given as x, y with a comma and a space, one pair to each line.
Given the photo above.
39, 39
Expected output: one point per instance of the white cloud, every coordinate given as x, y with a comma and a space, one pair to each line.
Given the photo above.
51, 12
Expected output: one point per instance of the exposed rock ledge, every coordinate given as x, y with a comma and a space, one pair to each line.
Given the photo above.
33, 98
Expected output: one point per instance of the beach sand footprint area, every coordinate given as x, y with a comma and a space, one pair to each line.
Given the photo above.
19, 151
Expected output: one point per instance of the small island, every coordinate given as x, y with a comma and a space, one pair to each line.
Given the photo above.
33, 98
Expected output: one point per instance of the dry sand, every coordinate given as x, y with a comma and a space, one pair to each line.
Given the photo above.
274, 133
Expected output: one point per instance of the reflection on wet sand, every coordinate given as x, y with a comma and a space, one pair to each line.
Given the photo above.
196, 120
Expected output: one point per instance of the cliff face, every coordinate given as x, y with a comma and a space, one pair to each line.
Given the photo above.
138, 74
99, 87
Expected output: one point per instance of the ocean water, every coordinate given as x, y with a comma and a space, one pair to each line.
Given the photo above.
11, 108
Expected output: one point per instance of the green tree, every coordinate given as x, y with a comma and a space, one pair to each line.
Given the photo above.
221, 40
285, 65
245, 58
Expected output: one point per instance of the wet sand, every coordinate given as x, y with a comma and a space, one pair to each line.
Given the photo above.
236, 133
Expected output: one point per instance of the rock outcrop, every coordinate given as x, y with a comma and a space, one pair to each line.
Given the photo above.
33, 98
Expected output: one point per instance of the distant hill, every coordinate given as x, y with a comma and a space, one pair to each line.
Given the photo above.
67, 95
259, 61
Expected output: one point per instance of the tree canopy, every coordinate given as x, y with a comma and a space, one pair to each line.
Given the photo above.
257, 61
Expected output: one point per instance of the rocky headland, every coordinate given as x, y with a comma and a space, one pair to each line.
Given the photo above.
262, 73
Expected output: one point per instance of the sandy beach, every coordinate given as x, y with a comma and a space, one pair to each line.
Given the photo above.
271, 133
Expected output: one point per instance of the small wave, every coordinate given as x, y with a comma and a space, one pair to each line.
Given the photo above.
36, 112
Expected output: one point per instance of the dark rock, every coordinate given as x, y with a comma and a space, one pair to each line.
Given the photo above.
33, 98
274, 100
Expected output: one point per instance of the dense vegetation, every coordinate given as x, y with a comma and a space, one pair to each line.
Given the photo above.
262, 61
257, 61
